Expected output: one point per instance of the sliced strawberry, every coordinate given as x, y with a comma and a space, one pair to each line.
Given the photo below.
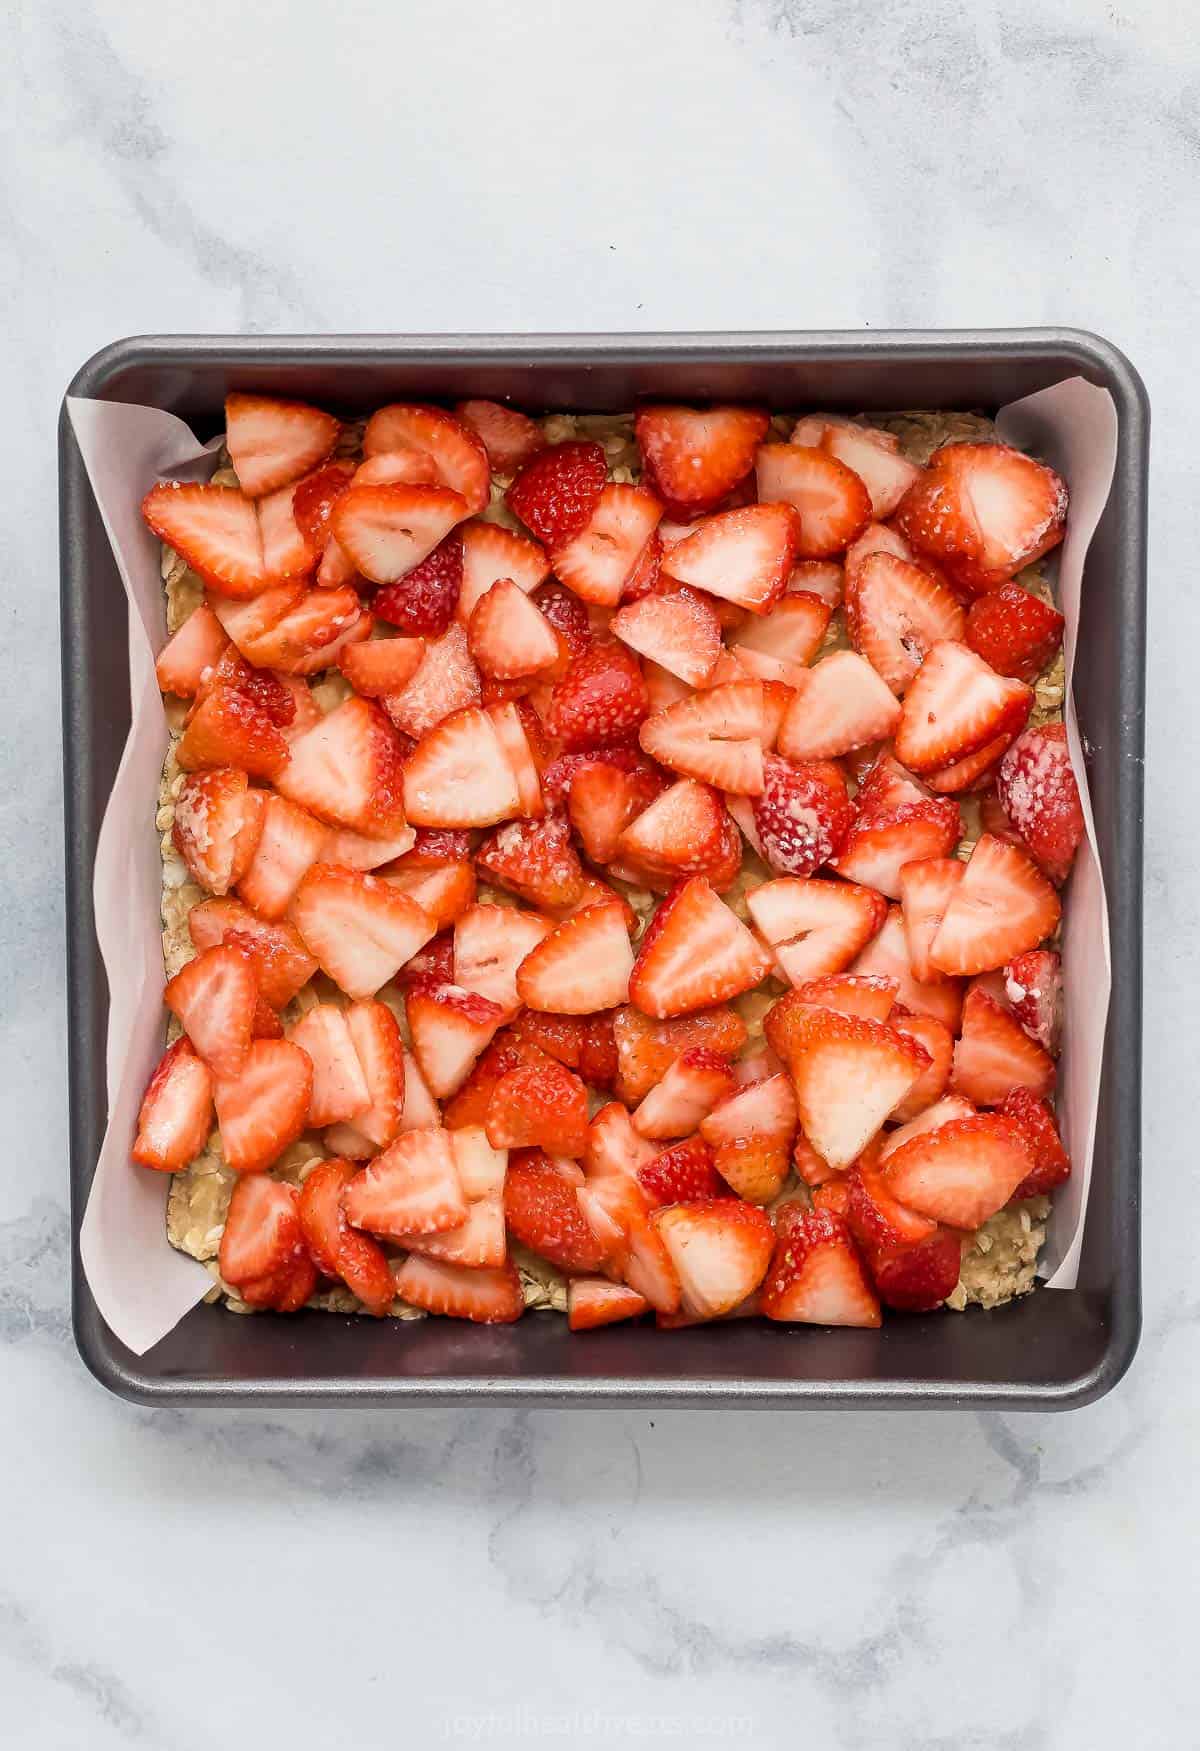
601, 698
803, 815
926, 888
715, 737
815, 927
1002, 906
519, 730
839, 704
286, 553
942, 1112
214, 997
695, 953
887, 953
490, 552
954, 706
1014, 631
557, 490
878, 1222
832, 504
458, 775
339, 1088
646, 572
875, 538
1033, 987
542, 1212
435, 961
273, 442
481, 1168
349, 770
597, 561
479, 1242
488, 1297
676, 629
290, 842
262, 1254
695, 1083
490, 944
539, 1106
410, 467
445, 893
263, 1107
228, 729
779, 645
962, 1172
720, 1249
938, 1041
457, 452
581, 967
446, 682
1034, 1119
282, 963
213, 528
412, 1188
682, 832
848, 1073
266, 1024
360, 851
680, 1174
313, 499
984, 511
869, 995
917, 1279
508, 635
360, 929
816, 1275
598, 1051
382, 665
176, 1113
900, 612
387, 530
646, 1049
424, 600
594, 1301
881, 844
604, 798
812, 1168
823, 578
248, 623
994, 1054
309, 635
874, 456
1039, 794
191, 649
210, 812
535, 860
450, 1026
763, 1108
743, 556
338, 1249
565, 612
509, 437
695, 457
614, 1148
381, 1056
559, 1036
469, 1107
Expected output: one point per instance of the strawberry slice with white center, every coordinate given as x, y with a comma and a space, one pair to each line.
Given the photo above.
349, 770
817, 1276
604, 799
409, 467
518, 728
875, 538
720, 1249
954, 705
1033, 986
887, 955
509, 437
264, 1107
286, 553
508, 635
848, 1073
926, 887
695, 457
458, 776
215, 529
681, 833
214, 997
290, 841
695, 953
210, 812
984, 511
478, 1243
802, 816
282, 964
1002, 906
1039, 794
273, 442
360, 929
381, 1058
412, 1188
697, 1080
389, 529
581, 967
487, 1297
380, 666
481, 1169
597, 561
823, 578
313, 499
449, 1027
445, 893
542, 1211
457, 452
960, 1173
751, 1135
338, 1250
831, 503
339, 1088
491, 552
191, 649
815, 927
360, 851
973, 771
715, 737
900, 613
535, 860
951, 1106
938, 1041
490, 943
869, 995
614, 1148
677, 629
263, 1255
311, 633
176, 1113
594, 1301
994, 1054
875, 457
646, 1049
248, 622
838, 705
778, 646
881, 842
743, 556
446, 681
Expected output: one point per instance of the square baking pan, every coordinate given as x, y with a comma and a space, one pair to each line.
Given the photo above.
1051, 1349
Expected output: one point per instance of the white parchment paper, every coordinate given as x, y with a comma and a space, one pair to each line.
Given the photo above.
141, 1284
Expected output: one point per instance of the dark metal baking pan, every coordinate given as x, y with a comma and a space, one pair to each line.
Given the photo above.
1053, 1348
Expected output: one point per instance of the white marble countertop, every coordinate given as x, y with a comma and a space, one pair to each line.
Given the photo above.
761, 1580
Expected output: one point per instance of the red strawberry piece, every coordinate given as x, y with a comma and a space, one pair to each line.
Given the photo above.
273, 442
214, 997
645, 574
955, 706
753, 1167
848, 1073
490, 943
604, 797
1014, 631
778, 646
917, 1279
539, 1106
720, 1249
435, 961
831, 1194
309, 635
695, 1083
313, 499
535, 860
867, 995
410, 467
832, 504
875, 457
337, 1249
984, 511
479, 1241
209, 816
249, 624
614, 1148
993, 819
676, 629
814, 927
191, 649
458, 775
1033, 988
765, 1107
594, 1301
926, 888
695, 457
542, 1211
176, 1111
960, 1173
1034, 1118
435, 846
715, 737
743, 556
681, 1174
449, 1027
696, 953
339, 1088
387, 530
1002, 906
601, 698
228, 729
938, 1041
262, 1254
349, 770
566, 614
381, 1057
974, 771
286, 553
290, 842
878, 1222
282, 964
816, 1275
213, 528
823, 578
519, 730
887, 954
468, 1108
490, 552
812, 1168
899, 613
360, 929
446, 682
1039, 794
581, 967
647, 1048
803, 815
839, 704
380, 666
263, 1107
412, 1188
886, 786
488, 1297
457, 452
557, 490
266, 1024
444, 893
682, 831
508, 635
875, 538
559, 1036
994, 1054
509, 437
597, 561
942, 1112
423, 601
598, 1051
881, 843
